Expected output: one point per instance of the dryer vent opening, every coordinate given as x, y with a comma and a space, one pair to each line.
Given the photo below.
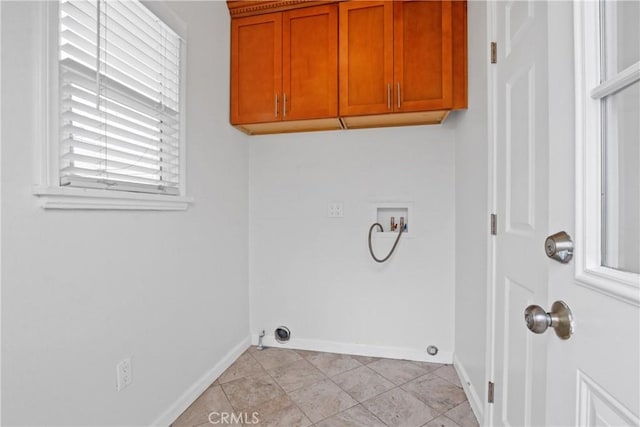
282, 334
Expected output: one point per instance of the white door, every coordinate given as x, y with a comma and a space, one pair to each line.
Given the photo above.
521, 193
593, 378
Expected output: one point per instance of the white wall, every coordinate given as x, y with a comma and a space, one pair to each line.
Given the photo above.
82, 290
472, 216
314, 274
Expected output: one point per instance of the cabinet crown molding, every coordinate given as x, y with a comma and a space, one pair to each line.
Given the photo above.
239, 8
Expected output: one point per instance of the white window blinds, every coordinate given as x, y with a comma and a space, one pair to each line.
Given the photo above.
120, 98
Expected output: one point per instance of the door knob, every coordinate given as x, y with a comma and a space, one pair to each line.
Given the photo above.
559, 246
559, 318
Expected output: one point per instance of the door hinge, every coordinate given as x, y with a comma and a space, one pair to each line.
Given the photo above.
494, 52
490, 392
494, 224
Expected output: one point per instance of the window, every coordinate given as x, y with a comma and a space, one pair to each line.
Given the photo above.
608, 149
117, 90
620, 113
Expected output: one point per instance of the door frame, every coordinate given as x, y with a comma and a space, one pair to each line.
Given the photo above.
493, 137
493, 130
493, 206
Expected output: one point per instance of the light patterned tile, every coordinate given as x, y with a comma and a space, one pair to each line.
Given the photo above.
321, 400
306, 353
212, 400
441, 421
397, 371
440, 394
428, 366
271, 357
463, 415
244, 366
398, 408
365, 360
251, 392
362, 383
296, 375
332, 363
313, 398
280, 412
448, 373
358, 416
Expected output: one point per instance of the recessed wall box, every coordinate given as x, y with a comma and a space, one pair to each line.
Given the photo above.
388, 213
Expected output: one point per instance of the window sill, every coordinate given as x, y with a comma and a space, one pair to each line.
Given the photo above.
92, 199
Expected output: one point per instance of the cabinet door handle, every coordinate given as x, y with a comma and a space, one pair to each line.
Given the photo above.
284, 101
398, 95
388, 96
276, 106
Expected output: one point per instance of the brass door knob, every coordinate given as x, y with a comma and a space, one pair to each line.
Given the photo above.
559, 318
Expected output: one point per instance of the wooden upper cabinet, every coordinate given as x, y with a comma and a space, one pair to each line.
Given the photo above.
301, 65
422, 55
256, 68
310, 63
395, 57
366, 57
284, 66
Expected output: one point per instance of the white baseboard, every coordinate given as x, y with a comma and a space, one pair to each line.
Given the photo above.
192, 393
357, 349
469, 388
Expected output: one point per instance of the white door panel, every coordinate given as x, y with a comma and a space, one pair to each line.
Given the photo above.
521, 194
592, 379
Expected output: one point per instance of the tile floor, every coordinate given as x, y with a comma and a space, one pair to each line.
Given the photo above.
288, 388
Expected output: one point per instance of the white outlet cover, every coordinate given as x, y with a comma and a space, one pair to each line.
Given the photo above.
335, 209
124, 375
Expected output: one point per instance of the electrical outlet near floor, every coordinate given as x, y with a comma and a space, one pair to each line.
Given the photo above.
124, 376
335, 210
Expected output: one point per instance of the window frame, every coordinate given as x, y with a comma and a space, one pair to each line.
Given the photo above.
50, 193
589, 272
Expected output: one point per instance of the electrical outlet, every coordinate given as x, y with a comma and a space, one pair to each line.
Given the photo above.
124, 375
335, 210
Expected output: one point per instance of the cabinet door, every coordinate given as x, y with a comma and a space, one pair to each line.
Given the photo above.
366, 57
310, 63
256, 68
423, 61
